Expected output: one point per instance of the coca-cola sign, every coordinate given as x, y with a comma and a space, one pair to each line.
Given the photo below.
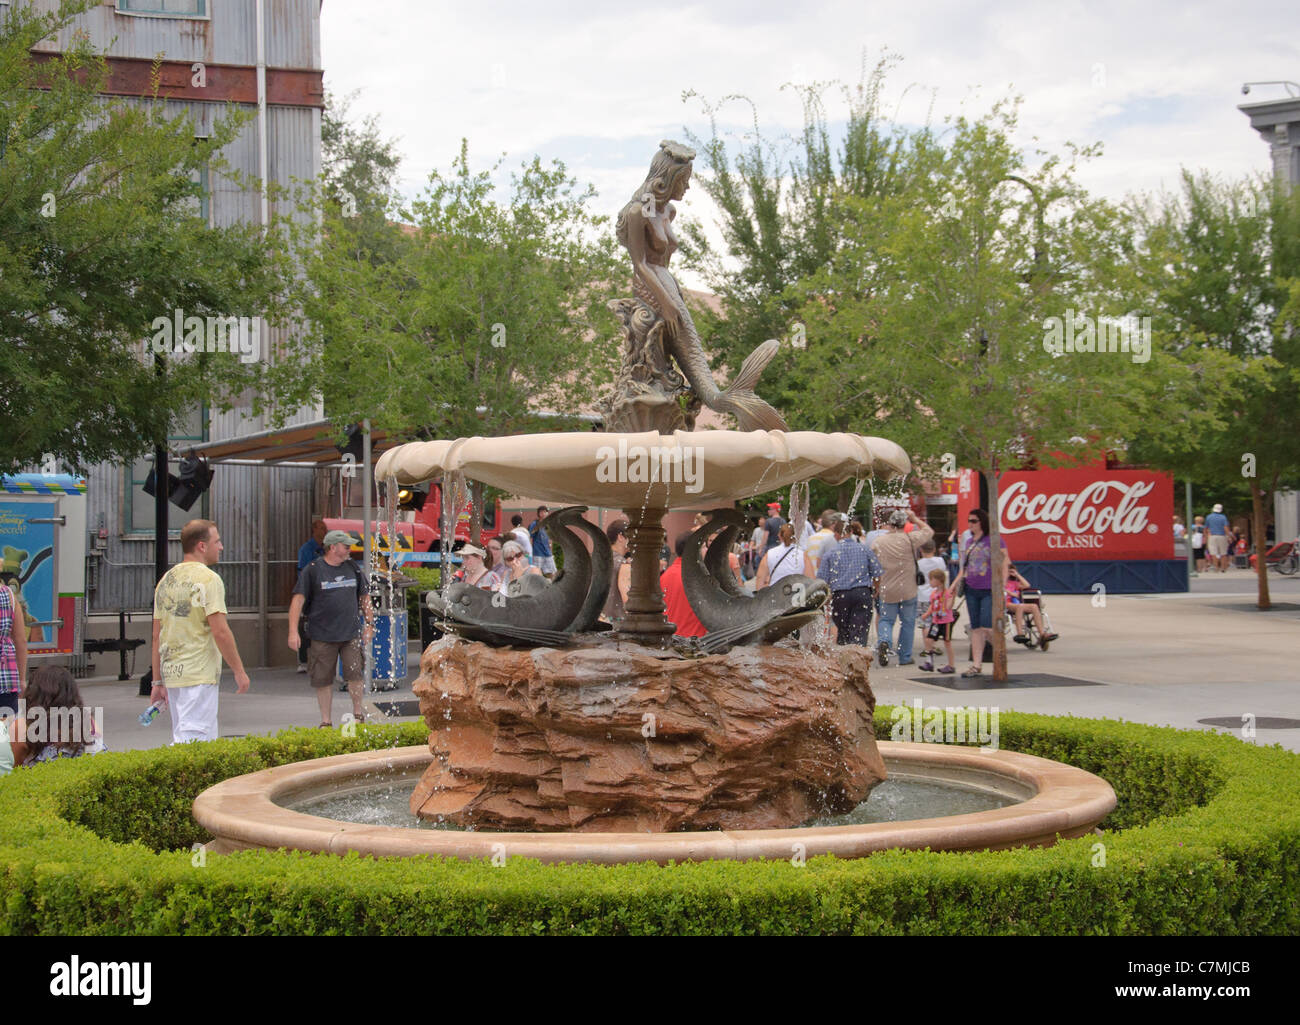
1090, 513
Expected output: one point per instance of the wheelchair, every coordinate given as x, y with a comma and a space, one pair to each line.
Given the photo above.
1033, 637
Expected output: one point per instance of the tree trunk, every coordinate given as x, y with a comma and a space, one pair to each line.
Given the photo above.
1257, 528
476, 512
999, 580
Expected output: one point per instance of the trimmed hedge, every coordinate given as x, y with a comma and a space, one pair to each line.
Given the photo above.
1206, 839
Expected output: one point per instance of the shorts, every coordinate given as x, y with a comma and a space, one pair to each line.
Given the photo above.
1218, 545
939, 632
546, 563
323, 656
979, 604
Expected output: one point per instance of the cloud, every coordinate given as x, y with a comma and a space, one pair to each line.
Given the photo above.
1157, 84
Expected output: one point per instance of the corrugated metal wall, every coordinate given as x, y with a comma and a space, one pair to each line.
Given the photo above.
123, 575
227, 36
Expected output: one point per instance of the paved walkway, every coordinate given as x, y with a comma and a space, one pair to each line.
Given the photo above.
1163, 659
1168, 660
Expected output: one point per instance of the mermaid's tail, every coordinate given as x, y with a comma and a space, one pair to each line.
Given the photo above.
738, 399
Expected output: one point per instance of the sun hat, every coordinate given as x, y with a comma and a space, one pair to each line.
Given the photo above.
472, 550
1218, 507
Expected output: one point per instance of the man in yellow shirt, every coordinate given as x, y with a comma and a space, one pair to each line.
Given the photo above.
191, 635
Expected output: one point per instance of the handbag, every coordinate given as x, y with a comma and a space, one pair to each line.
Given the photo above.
920, 577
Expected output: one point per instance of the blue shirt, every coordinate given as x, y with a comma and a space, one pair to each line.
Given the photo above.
309, 553
1216, 523
541, 543
849, 564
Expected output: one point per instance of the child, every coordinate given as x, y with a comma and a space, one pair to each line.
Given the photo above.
1019, 609
941, 618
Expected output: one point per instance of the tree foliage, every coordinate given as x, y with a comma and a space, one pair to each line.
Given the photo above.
100, 235
782, 207
465, 314
1222, 262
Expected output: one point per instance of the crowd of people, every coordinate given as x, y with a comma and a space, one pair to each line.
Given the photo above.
1215, 542
895, 575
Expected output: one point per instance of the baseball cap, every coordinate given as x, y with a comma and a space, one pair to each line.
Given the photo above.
1218, 507
774, 505
472, 550
338, 537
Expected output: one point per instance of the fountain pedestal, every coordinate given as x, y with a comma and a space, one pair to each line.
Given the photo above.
616, 737
643, 612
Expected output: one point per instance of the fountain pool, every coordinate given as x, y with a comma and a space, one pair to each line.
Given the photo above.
1049, 801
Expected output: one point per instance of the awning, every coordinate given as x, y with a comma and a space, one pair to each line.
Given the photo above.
303, 443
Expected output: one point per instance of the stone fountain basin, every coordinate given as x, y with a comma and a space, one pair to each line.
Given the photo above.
647, 469
1058, 801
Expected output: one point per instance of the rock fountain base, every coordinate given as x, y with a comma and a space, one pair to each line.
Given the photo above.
615, 737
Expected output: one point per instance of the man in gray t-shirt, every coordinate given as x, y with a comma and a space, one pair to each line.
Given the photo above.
331, 592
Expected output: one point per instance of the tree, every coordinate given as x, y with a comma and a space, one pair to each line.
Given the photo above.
487, 313
786, 218
99, 237
952, 317
1221, 261
476, 316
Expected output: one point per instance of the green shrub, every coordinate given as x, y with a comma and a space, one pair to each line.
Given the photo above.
1206, 839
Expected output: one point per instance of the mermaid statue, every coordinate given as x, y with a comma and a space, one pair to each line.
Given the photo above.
657, 324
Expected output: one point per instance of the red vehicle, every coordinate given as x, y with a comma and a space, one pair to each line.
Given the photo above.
425, 534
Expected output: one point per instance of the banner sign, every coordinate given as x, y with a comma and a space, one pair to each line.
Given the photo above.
28, 565
1089, 513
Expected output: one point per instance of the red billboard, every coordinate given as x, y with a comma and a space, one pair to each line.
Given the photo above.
1087, 513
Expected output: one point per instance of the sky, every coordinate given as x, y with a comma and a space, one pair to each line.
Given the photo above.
598, 85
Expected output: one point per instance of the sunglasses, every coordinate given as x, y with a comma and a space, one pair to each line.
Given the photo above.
512, 558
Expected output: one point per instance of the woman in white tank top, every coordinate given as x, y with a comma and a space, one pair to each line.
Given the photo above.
786, 559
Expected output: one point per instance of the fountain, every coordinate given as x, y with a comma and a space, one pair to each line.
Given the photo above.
567, 737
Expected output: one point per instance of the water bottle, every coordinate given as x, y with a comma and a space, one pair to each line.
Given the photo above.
150, 713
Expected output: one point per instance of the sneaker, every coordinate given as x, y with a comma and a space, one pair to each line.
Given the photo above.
1048, 638
927, 666
947, 669
882, 653
301, 668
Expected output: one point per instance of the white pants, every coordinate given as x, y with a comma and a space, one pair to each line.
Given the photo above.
194, 712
